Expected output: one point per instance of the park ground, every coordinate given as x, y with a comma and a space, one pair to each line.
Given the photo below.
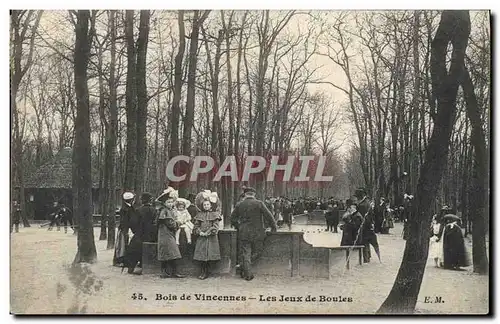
42, 282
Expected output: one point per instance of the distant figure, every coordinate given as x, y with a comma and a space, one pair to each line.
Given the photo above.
332, 218
55, 217
66, 217
16, 216
249, 218
287, 214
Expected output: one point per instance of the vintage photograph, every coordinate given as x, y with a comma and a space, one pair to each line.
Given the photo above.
241, 162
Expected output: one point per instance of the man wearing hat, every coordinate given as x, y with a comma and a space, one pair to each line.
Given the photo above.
364, 207
249, 217
142, 226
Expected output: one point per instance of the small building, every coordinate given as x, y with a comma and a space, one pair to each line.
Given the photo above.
53, 182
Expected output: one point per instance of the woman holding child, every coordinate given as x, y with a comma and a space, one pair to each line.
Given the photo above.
168, 250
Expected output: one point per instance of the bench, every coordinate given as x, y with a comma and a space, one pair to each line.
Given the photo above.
347, 250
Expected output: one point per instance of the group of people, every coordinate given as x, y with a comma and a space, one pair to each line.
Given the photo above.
61, 215
162, 221
447, 245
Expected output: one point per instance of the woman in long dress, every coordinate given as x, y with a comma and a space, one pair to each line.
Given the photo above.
454, 251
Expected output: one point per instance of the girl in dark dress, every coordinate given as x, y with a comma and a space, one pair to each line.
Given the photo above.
206, 226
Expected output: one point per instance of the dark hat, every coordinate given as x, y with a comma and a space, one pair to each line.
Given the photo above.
146, 197
249, 189
360, 193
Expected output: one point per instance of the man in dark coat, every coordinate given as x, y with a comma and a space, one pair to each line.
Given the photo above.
192, 207
147, 216
287, 213
249, 218
142, 226
351, 223
332, 217
16, 216
369, 236
66, 217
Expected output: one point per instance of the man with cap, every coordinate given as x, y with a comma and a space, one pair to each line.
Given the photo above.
250, 217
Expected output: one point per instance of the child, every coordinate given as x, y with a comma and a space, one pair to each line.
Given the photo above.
436, 245
206, 226
183, 219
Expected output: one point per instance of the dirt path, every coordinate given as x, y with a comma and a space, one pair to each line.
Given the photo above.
43, 282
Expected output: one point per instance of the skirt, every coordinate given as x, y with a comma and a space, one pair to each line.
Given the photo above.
436, 249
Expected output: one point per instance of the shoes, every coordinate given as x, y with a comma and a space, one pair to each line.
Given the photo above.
178, 275
248, 278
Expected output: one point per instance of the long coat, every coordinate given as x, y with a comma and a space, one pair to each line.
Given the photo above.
250, 218
147, 214
455, 254
167, 246
207, 247
350, 230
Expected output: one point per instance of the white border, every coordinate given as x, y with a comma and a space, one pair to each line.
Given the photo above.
190, 4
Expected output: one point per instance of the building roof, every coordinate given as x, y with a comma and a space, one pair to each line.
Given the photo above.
56, 173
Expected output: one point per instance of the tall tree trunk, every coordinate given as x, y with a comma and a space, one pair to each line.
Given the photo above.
454, 27
414, 163
131, 105
110, 163
228, 199
19, 36
176, 110
191, 89
239, 103
479, 193
142, 99
103, 172
86, 246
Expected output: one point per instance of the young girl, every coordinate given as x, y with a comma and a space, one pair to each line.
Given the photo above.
183, 219
436, 245
206, 226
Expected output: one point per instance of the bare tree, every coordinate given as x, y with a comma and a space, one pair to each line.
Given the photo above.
21, 30
84, 30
